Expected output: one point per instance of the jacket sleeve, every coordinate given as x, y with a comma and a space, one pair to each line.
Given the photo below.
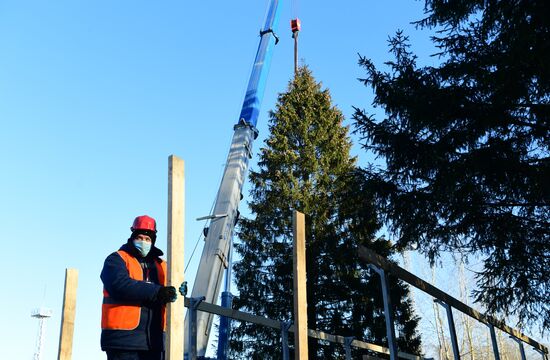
120, 286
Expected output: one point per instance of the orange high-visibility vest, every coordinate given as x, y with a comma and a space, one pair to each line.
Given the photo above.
125, 316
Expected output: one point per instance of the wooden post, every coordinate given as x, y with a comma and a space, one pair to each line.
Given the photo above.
176, 214
67, 318
300, 290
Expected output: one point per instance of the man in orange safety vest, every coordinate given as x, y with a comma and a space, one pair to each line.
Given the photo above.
133, 319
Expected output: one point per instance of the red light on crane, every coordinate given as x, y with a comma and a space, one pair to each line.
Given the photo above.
295, 25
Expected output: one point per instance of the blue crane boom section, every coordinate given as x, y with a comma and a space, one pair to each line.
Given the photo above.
258, 78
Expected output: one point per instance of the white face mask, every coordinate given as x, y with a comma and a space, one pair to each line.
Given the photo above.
143, 247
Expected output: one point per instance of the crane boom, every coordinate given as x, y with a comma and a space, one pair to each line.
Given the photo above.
216, 252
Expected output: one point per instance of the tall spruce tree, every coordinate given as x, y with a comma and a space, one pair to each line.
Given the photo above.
467, 146
306, 165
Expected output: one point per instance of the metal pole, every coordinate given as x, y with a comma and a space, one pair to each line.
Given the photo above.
388, 313
541, 352
225, 327
193, 304
450, 320
521, 348
494, 341
295, 36
285, 325
347, 343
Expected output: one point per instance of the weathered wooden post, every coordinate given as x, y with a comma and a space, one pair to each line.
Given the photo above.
300, 290
67, 318
176, 216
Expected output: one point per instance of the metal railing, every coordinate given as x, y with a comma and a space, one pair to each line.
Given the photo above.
383, 266
197, 304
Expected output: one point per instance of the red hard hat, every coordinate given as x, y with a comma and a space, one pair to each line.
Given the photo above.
144, 222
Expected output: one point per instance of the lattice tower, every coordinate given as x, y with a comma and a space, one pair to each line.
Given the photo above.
42, 314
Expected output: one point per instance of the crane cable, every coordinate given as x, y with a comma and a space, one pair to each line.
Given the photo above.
206, 226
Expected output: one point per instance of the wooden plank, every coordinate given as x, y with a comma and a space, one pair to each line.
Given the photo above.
176, 216
373, 258
300, 289
68, 316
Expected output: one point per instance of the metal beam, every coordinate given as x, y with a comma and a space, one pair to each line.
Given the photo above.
521, 348
193, 307
285, 325
225, 325
544, 356
452, 330
388, 311
347, 345
494, 341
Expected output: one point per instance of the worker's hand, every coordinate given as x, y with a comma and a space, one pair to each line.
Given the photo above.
167, 294
183, 289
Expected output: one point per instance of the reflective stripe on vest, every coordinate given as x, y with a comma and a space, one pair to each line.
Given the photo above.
126, 316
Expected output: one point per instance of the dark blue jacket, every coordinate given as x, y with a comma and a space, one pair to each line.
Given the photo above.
149, 334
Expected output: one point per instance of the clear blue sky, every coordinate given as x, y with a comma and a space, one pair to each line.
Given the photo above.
94, 97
